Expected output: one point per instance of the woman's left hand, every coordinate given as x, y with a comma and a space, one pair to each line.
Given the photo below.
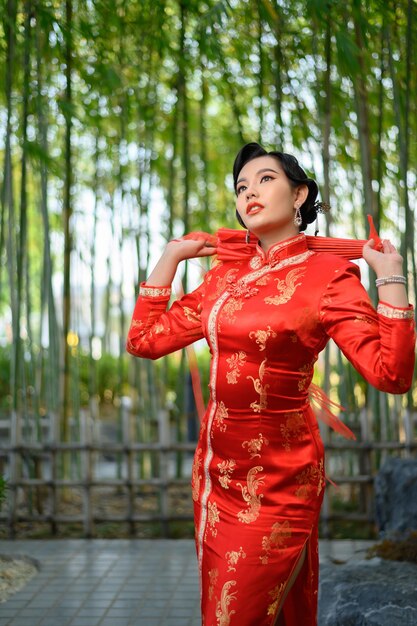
384, 263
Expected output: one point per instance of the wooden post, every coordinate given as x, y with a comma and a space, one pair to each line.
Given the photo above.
14, 464
126, 436
87, 470
164, 441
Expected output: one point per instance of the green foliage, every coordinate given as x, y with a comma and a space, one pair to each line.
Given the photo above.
162, 95
3, 490
401, 549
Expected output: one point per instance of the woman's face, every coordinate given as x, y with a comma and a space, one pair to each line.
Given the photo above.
265, 199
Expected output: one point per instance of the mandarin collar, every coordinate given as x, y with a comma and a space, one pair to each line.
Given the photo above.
279, 251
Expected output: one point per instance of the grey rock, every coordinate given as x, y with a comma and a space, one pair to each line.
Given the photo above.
368, 593
396, 497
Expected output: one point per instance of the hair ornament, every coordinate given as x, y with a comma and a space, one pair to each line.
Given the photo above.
322, 207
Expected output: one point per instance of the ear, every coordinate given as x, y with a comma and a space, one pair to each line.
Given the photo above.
301, 194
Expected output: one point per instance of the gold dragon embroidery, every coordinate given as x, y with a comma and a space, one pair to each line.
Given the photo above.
255, 445
226, 469
262, 336
232, 558
236, 361
223, 613
250, 495
286, 287
222, 282
264, 280
259, 388
277, 539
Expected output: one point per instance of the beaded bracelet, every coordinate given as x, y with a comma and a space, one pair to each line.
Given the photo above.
386, 280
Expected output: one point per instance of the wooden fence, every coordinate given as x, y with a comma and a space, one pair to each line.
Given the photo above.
38, 474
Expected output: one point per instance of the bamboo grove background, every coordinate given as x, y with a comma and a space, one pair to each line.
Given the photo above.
119, 124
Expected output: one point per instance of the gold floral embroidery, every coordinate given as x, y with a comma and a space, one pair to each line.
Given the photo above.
238, 291
310, 479
249, 493
241, 289
232, 558
255, 445
306, 319
220, 415
277, 539
305, 371
155, 292
259, 388
294, 428
230, 309
286, 287
213, 576
226, 469
191, 315
223, 613
393, 313
213, 517
262, 336
195, 476
276, 595
158, 328
236, 361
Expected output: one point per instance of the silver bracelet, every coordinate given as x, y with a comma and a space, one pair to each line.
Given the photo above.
386, 280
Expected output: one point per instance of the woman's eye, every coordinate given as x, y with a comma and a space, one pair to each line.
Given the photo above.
266, 176
240, 189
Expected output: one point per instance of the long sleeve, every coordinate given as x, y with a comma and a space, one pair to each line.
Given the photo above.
379, 343
155, 332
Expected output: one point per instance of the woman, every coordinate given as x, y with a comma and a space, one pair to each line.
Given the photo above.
267, 308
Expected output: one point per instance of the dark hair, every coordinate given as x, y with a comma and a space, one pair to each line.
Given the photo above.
295, 174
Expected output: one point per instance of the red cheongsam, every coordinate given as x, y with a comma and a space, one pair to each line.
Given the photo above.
258, 472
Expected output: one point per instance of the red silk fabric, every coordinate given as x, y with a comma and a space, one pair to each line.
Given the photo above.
258, 473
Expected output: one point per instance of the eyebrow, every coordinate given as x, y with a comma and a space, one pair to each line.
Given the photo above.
265, 169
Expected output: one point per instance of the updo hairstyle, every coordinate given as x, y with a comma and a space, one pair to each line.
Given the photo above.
295, 174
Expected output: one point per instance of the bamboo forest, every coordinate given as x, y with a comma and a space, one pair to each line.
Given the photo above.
119, 124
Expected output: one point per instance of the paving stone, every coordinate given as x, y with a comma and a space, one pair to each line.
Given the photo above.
99, 582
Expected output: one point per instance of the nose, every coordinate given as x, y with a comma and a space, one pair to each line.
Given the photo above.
250, 192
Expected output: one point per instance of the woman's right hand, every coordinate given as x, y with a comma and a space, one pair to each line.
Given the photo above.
191, 246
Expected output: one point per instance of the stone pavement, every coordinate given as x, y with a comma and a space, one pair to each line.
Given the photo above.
118, 582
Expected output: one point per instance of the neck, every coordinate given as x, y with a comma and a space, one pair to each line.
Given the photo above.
267, 240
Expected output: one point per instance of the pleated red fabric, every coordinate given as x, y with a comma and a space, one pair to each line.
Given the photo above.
258, 476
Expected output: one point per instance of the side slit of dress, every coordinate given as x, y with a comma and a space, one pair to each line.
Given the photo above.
288, 610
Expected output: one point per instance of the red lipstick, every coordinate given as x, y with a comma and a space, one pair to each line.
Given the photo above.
251, 208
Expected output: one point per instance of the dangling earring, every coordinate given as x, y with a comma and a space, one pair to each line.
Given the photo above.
247, 236
298, 220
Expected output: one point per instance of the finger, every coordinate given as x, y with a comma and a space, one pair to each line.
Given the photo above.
206, 252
